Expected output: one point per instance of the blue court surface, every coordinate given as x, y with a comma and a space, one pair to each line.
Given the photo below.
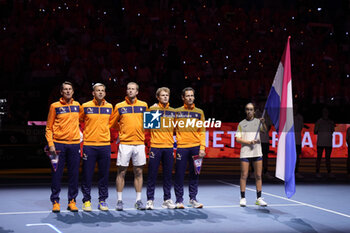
314, 208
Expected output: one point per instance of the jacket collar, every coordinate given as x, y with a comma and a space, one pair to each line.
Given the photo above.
63, 101
96, 103
128, 101
161, 105
189, 108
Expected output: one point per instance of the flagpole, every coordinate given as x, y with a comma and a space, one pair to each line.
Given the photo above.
263, 115
279, 99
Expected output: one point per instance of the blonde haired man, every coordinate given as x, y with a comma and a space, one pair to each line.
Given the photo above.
96, 116
162, 143
128, 120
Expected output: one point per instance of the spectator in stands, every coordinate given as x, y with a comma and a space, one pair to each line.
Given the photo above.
324, 129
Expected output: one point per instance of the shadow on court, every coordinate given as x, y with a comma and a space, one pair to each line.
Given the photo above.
291, 221
132, 218
2, 230
315, 210
277, 215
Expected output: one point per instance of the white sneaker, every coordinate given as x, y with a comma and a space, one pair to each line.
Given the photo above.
195, 204
260, 202
179, 205
149, 205
168, 204
243, 202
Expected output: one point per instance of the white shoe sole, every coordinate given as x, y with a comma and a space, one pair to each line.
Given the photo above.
196, 207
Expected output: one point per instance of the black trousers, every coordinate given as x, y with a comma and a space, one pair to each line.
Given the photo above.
320, 150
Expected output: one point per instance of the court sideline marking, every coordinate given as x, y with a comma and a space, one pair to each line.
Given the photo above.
284, 198
44, 224
130, 209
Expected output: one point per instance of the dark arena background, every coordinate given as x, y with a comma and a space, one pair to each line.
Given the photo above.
229, 52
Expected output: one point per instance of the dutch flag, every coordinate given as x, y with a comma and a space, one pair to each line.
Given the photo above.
279, 106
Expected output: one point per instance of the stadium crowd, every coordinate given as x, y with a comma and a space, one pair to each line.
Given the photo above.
227, 50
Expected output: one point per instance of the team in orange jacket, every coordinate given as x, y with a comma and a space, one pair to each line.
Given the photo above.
128, 119
190, 142
63, 138
96, 116
162, 143
189, 136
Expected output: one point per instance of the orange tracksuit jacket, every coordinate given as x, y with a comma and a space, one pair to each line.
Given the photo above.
187, 137
163, 137
63, 123
127, 118
97, 119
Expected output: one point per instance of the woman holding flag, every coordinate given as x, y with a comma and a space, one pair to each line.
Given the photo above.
249, 138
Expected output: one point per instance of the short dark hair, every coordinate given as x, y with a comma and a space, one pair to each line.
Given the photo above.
187, 89
66, 83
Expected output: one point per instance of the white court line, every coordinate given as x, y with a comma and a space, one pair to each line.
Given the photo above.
235, 206
284, 198
29, 212
130, 209
44, 224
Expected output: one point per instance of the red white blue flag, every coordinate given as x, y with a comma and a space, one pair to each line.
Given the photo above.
279, 106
